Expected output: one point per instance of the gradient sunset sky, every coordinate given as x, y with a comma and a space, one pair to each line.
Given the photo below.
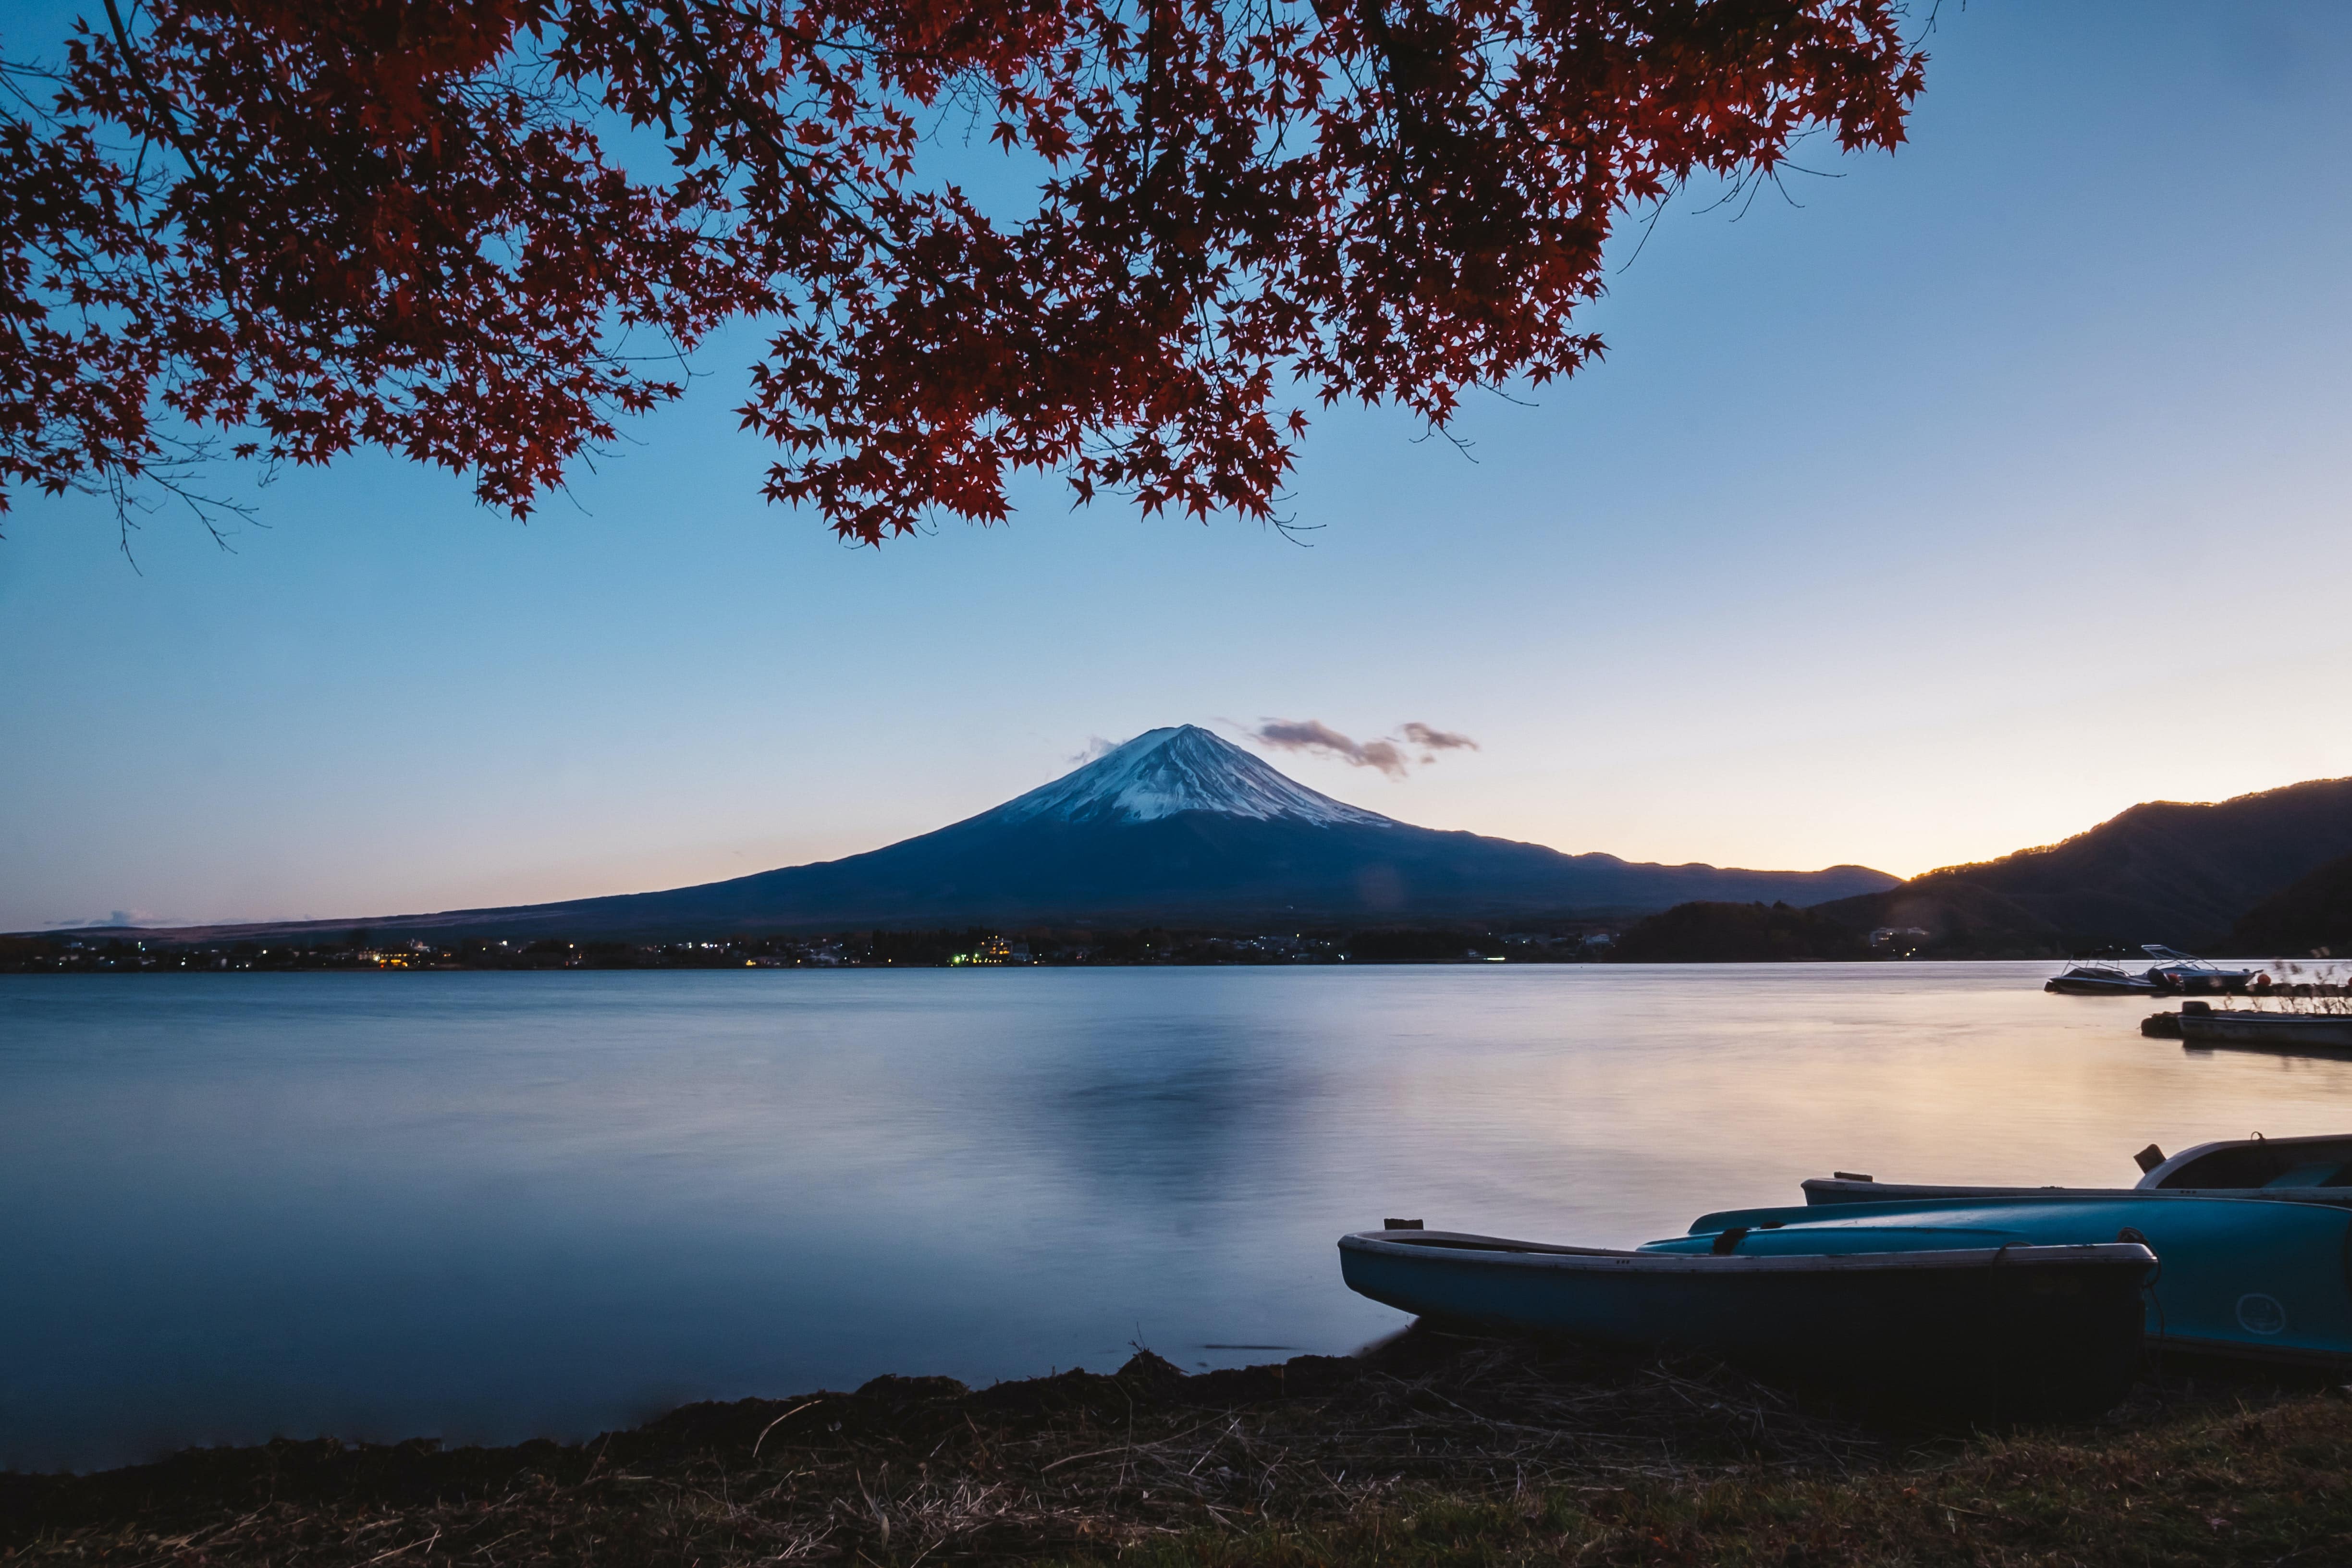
1951, 506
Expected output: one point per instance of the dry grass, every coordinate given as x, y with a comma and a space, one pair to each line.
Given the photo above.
1433, 1450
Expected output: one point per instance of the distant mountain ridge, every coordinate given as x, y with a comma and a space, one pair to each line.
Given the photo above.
2163, 871
2312, 914
1176, 826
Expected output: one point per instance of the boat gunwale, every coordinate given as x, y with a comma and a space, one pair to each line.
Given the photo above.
1499, 1251
1924, 1191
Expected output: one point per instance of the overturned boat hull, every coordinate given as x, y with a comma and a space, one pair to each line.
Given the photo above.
1828, 1190
2313, 1169
2239, 1277
1997, 1330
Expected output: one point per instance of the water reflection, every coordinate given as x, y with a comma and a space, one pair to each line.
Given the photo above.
485, 1205
1173, 1112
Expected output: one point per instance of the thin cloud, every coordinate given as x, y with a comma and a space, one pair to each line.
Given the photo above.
1433, 740
1314, 736
1381, 754
1095, 746
1387, 753
1305, 735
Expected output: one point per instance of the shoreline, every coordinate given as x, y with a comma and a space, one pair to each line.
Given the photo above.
168, 964
1429, 1448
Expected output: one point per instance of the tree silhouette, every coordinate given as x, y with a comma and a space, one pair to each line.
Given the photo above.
438, 226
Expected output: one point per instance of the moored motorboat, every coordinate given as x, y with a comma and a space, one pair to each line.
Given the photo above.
1979, 1321
2238, 1277
2083, 978
2172, 971
2183, 972
2314, 1170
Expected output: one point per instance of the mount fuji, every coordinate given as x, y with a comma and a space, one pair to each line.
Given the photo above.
1177, 826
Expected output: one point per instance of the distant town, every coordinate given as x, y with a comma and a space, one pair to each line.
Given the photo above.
1571, 941
66, 953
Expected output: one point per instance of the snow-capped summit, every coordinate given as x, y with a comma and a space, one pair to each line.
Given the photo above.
1184, 768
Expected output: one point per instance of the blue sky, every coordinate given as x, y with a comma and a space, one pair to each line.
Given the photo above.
2000, 484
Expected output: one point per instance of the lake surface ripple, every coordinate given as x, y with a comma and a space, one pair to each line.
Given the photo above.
482, 1206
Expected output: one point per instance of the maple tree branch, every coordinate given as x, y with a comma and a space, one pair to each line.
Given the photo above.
156, 101
426, 248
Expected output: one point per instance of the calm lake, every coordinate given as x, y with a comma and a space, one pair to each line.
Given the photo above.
483, 1207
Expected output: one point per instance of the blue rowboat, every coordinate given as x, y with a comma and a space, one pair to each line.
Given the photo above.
1927, 1316
2283, 1170
2236, 1277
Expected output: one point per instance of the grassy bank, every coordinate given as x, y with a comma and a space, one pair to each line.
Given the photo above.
1433, 1451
